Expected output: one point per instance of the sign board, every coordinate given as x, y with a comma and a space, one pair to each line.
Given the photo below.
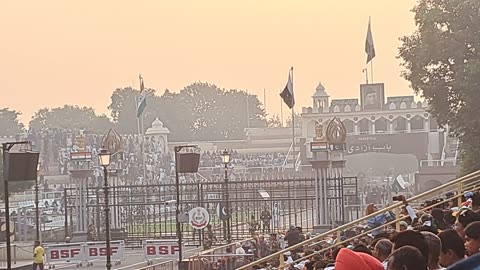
405, 143
98, 251
80, 156
338, 146
319, 146
155, 249
343, 102
407, 99
73, 252
198, 218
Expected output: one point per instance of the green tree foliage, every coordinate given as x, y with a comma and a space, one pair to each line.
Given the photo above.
71, 118
442, 62
9, 123
200, 111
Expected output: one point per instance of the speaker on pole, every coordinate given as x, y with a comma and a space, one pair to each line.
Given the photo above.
22, 166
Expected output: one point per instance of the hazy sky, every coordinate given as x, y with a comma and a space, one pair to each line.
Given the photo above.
57, 52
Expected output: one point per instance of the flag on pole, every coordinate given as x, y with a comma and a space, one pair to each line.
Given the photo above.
142, 99
369, 47
287, 93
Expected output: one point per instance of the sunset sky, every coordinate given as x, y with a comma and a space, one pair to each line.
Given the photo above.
57, 52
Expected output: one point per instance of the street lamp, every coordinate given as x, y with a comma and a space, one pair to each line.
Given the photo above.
104, 160
37, 215
226, 161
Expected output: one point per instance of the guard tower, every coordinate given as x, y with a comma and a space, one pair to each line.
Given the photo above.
81, 172
158, 134
320, 99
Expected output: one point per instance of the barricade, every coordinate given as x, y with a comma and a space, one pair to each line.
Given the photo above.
83, 252
64, 253
97, 251
155, 249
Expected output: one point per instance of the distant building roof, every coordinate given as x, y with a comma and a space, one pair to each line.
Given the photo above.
320, 91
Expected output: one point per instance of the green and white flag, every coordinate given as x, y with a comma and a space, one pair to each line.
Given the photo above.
142, 99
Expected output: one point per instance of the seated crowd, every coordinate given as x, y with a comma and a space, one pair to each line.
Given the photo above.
444, 236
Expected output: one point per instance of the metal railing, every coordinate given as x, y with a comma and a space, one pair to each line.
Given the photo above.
288, 154
3, 254
199, 260
169, 265
470, 182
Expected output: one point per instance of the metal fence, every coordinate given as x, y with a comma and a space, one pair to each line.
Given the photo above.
148, 211
169, 265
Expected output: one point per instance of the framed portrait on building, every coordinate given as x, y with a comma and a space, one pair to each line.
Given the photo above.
372, 96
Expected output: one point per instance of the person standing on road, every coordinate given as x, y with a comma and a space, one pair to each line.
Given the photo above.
265, 216
38, 253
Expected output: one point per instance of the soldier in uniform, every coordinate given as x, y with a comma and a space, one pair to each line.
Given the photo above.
91, 233
266, 216
209, 238
253, 226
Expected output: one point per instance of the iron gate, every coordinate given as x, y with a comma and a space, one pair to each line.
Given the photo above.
148, 211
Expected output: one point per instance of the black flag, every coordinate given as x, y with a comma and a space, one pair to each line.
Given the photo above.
369, 47
287, 93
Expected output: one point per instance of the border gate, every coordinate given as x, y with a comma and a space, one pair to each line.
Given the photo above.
148, 211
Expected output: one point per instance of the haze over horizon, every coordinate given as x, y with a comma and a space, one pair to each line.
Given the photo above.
63, 53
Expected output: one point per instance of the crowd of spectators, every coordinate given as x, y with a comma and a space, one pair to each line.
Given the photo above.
438, 235
214, 159
56, 146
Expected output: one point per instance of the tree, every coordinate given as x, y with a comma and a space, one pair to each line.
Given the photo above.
200, 111
123, 108
72, 118
298, 121
9, 123
274, 121
442, 63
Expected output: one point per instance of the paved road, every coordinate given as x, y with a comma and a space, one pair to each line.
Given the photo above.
134, 259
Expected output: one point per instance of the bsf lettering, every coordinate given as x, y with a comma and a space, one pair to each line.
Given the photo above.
94, 252
64, 254
161, 250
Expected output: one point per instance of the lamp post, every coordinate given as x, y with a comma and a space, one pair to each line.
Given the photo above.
37, 215
104, 159
226, 161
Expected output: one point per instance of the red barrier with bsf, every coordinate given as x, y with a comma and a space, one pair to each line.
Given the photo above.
155, 249
83, 252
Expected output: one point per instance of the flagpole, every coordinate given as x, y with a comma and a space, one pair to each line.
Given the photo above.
365, 70
371, 69
143, 149
248, 113
281, 111
294, 154
265, 105
141, 132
